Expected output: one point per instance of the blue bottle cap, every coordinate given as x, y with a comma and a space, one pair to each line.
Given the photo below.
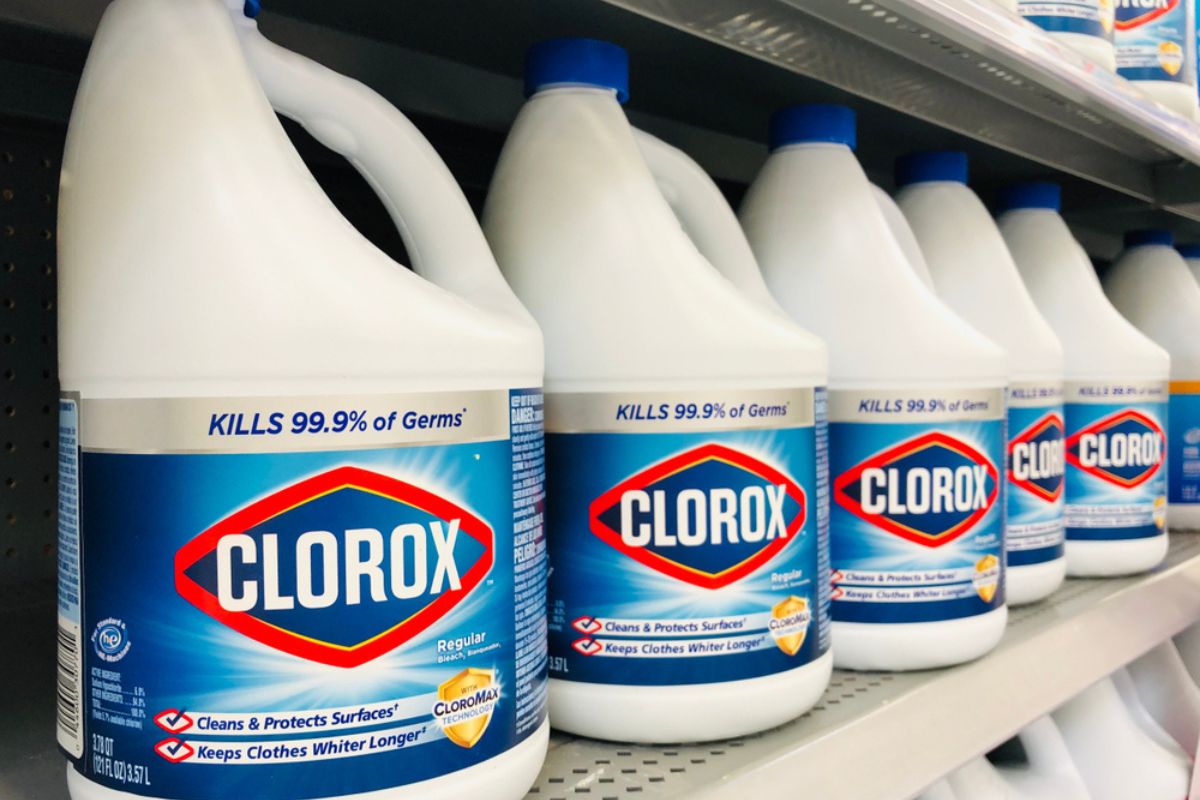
931, 166
1035, 194
1149, 236
587, 62
1188, 250
252, 8
813, 123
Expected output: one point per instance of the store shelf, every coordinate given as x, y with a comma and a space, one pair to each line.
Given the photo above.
966, 65
708, 73
915, 726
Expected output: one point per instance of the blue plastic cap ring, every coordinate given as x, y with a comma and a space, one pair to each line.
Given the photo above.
1035, 194
1149, 236
936, 165
585, 62
813, 123
1189, 250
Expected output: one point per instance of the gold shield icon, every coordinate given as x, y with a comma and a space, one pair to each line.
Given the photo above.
469, 730
985, 582
789, 636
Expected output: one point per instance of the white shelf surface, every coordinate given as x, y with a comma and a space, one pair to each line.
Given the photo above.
967, 66
886, 736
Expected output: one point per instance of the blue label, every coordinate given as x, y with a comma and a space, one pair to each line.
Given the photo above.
688, 551
1036, 467
917, 525
1066, 16
1183, 452
285, 618
1153, 40
1115, 449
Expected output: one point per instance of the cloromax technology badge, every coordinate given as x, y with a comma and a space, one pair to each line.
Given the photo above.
686, 535
254, 588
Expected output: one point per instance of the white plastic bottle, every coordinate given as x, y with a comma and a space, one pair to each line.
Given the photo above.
939, 791
903, 234
1117, 759
1085, 26
1152, 287
705, 216
686, 480
1116, 389
974, 274
1191, 256
232, 352
979, 780
1169, 694
1047, 771
1188, 645
914, 392
1155, 42
1141, 715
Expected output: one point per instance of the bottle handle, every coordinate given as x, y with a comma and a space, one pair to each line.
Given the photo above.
439, 230
705, 216
1044, 746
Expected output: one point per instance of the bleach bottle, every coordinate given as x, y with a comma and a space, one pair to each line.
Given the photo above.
916, 409
685, 434
1152, 287
1187, 643
903, 234
301, 551
1085, 26
1115, 395
1148, 722
1046, 771
1155, 42
939, 791
979, 780
1117, 759
1168, 694
974, 274
1191, 256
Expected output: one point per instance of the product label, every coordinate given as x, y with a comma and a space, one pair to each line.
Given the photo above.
299, 597
1115, 451
1064, 16
917, 529
1036, 467
687, 532
1183, 452
1154, 40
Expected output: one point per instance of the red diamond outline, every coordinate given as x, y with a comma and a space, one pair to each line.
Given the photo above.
188, 750
1134, 22
678, 463
899, 451
305, 491
1107, 422
1033, 430
173, 712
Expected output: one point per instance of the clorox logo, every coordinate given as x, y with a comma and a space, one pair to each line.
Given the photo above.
709, 516
1135, 13
339, 568
1036, 459
930, 490
1125, 449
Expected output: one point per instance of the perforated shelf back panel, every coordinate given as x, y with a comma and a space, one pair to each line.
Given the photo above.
29, 165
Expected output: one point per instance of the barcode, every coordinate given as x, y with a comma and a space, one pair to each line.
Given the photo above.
70, 725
